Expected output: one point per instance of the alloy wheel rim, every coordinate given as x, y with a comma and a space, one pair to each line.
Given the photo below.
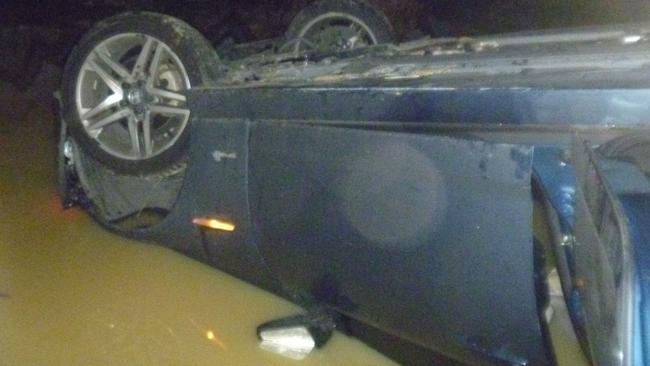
352, 33
129, 96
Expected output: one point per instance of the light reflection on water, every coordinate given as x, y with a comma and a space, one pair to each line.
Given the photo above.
73, 294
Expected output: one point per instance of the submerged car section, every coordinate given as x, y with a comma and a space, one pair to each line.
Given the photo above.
395, 187
386, 228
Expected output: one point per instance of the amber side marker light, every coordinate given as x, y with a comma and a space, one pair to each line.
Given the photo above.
215, 224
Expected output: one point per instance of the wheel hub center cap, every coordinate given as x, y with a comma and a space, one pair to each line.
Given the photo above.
135, 96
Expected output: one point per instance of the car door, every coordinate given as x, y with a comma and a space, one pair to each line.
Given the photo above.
425, 237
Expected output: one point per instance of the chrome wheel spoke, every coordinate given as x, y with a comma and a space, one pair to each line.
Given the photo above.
167, 94
311, 45
120, 114
107, 103
155, 63
166, 110
110, 81
146, 134
361, 33
134, 134
120, 70
141, 63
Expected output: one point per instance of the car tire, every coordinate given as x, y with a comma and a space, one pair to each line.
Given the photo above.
373, 26
123, 89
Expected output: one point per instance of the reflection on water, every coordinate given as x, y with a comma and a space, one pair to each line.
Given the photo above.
73, 294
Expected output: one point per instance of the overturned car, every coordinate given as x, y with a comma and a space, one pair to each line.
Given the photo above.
388, 189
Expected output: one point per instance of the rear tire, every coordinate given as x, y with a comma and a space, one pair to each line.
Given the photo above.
354, 24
